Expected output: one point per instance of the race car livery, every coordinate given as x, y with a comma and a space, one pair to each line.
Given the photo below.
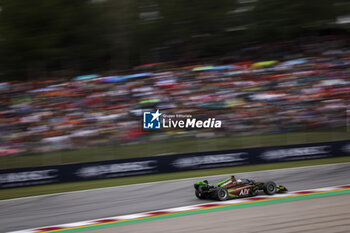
233, 188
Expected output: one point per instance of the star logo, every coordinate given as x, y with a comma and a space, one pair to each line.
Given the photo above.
151, 120
156, 115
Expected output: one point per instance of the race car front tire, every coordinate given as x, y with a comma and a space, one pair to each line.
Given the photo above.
270, 188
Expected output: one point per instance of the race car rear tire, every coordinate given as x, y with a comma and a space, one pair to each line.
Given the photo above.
270, 187
200, 195
221, 194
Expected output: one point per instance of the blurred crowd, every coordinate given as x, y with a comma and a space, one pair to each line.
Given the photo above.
262, 89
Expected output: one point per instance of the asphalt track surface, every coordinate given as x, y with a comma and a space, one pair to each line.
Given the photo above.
24, 213
319, 215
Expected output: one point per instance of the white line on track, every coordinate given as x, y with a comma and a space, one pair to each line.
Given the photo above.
165, 181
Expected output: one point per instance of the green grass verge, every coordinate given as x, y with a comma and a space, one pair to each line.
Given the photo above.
75, 186
174, 146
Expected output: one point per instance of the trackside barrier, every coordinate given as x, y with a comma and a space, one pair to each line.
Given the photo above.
170, 163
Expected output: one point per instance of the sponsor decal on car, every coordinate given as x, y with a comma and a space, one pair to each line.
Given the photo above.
244, 192
226, 183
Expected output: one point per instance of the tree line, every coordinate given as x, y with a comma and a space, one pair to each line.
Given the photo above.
51, 38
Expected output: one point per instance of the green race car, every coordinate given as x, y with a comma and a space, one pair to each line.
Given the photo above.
232, 188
